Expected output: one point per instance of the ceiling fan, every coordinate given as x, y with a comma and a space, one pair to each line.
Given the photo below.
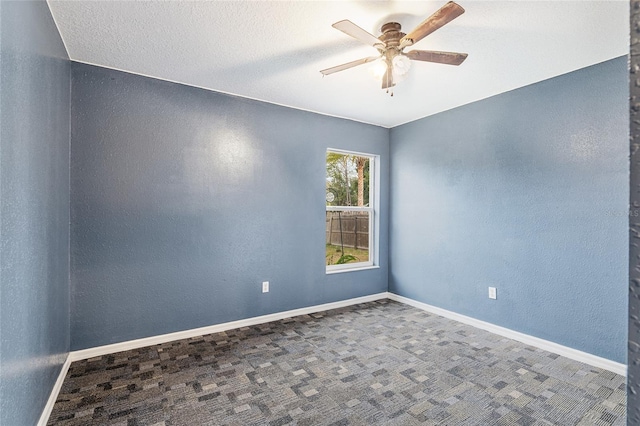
394, 62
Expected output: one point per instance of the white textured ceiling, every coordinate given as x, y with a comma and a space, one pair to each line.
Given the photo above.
273, 50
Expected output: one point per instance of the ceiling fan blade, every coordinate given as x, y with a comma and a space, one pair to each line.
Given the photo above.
387, 79
348, 65
449, 58
351, 29
442, 16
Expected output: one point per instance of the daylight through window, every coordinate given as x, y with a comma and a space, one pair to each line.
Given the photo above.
350, 210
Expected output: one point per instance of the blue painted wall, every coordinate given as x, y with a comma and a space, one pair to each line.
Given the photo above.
184, 200
34, 209
526, 191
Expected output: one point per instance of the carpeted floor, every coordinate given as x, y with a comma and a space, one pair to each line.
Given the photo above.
376, 363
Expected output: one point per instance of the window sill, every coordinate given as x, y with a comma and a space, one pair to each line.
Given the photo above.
362, 268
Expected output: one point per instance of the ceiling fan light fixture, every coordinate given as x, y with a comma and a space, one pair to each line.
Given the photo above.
378, 68
401, 65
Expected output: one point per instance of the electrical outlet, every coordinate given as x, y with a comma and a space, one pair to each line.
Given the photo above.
265, 286
493, 293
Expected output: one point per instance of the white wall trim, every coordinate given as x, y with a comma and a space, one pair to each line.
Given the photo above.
186, 334
359, 268
46, 412
546, 345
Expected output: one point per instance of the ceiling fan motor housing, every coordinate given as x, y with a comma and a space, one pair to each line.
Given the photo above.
391, 34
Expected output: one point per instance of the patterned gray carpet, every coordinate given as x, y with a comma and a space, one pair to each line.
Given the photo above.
375, 363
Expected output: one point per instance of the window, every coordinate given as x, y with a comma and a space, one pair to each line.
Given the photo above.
350, 225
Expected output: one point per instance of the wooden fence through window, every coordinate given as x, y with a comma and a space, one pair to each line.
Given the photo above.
355, 229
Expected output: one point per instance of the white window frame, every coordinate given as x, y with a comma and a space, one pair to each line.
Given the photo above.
372, 209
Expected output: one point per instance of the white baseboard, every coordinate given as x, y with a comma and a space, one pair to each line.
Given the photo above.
186, 334
546, 345
46, 412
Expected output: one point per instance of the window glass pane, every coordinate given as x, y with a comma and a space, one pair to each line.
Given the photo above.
347, 180
347, 237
